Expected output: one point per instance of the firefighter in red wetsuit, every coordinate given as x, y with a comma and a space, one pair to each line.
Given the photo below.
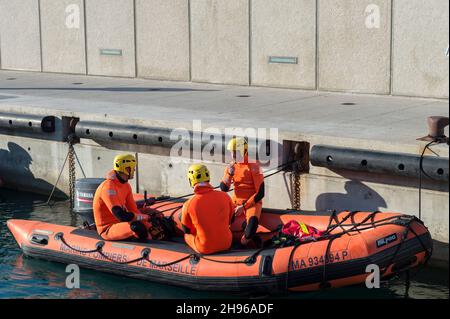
248, 180
207, 216
115, 212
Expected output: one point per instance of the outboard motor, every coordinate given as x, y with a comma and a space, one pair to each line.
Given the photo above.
84, 198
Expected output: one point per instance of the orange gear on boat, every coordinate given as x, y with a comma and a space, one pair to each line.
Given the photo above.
206, 219
115, 211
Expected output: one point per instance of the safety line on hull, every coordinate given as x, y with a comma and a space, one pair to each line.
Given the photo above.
399, 220
146, 253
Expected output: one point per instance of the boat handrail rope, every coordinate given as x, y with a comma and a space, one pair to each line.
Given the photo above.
145, 256
406, 221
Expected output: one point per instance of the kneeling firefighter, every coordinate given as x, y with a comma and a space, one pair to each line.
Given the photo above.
207, 216
115, 212
248, 180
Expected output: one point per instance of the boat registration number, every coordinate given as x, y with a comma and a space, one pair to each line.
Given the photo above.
313, 261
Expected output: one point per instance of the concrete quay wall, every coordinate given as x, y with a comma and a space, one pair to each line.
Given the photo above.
366, 46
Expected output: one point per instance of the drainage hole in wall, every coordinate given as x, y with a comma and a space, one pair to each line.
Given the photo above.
401, 167
99, 158
364, 163
348, 103
29, 149
244, 95
88, 132
135, 136
111, 134
30, 124
170, 165
440, 171
10, 122
329, 159
160, 139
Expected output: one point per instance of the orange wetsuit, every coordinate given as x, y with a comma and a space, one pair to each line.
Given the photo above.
248, 180
206, 219
115, 212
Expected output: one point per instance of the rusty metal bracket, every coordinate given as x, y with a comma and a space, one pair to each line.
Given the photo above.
436, 129
297, 153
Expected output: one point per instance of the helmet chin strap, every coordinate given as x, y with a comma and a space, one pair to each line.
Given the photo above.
239, 158
130, 173
120, 176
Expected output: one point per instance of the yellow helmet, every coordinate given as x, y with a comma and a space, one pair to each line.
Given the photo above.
124, 161
238, 144
198, 173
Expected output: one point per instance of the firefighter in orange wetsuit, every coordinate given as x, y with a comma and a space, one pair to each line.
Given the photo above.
115, 212
248, 180
207, 216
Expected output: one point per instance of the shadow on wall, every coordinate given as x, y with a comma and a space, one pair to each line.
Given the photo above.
360, 197
15, 172
357, 196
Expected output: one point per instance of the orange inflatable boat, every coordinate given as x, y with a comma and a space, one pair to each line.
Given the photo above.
352, 241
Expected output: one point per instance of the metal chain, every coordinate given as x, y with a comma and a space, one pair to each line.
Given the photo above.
72, 175
296, 187
296, 202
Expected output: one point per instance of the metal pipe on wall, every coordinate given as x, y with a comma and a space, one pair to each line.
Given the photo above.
130, 134
13, 123
399, 164
150, 136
